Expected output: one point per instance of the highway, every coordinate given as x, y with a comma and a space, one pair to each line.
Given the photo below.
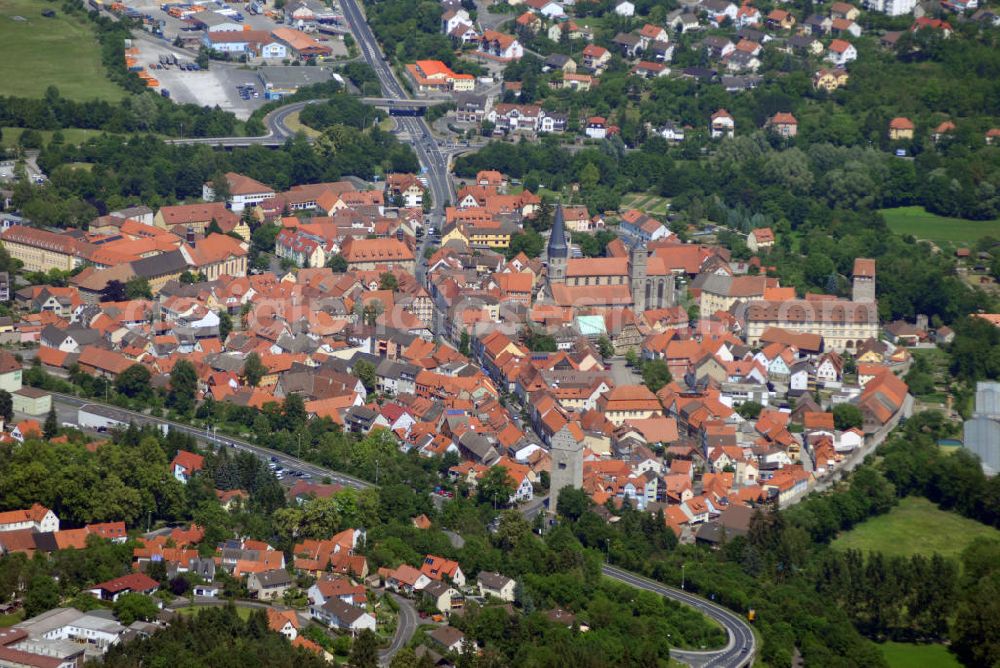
66, 403
737, 653
433, 161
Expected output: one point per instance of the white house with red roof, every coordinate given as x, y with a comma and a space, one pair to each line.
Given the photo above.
243, 191
597, 127
438, 568
36, 518
133, 583
185, 464
723, 124
840, 52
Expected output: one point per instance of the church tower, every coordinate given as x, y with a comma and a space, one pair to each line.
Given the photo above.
558, 250
566, 451
864, 280
638, 256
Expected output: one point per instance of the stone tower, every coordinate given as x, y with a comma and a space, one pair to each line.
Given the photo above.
558, 250
566, 451
638, 256
864, 280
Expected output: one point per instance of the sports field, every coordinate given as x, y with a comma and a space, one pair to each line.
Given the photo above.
915, 526
939, 229
37, 52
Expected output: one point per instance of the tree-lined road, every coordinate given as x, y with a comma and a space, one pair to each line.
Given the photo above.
738, 652
67, 404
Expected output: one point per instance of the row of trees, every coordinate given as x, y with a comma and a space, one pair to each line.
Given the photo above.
144, 169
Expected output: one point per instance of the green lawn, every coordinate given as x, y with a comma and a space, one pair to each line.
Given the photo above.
70, 135
908, 655
939, 229
915, 526
11, 619
37, 52
244, 613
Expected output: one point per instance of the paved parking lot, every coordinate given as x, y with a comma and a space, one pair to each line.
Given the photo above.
172, 27
220, 85
215, 87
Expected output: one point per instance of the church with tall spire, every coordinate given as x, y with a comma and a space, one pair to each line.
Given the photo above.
637, 281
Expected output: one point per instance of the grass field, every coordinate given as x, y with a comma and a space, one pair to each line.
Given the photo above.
908, 655
11, 619
244, 613
37, 52
915, 526
295, 124
71, 135
939, 229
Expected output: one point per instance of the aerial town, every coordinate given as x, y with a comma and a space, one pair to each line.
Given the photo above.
527, 333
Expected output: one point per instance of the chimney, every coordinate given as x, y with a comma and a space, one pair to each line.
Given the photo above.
189, 236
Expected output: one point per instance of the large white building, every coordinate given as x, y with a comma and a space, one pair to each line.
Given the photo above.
982, 433
891, 7
37, 518
844, 325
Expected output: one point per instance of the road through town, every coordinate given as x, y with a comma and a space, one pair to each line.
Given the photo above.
67, 404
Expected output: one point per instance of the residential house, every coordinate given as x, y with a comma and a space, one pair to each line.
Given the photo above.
780, 19
37, 518
901, 128
841, 52
406, 189
783, 124
269, 585
596, 58
500, 46
443, 596
438, 568
723, 124
405, 579
761, 238
343, 616
830, 79
133, 583
496, 585
185, 464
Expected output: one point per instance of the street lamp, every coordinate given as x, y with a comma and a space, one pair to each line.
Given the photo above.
607, 548
682, 576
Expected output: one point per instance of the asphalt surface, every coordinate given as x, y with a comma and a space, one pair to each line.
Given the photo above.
415, 130
288, 463
405, 628
737, 653
419, 132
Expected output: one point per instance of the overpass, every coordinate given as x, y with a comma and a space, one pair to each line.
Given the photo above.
395, 102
